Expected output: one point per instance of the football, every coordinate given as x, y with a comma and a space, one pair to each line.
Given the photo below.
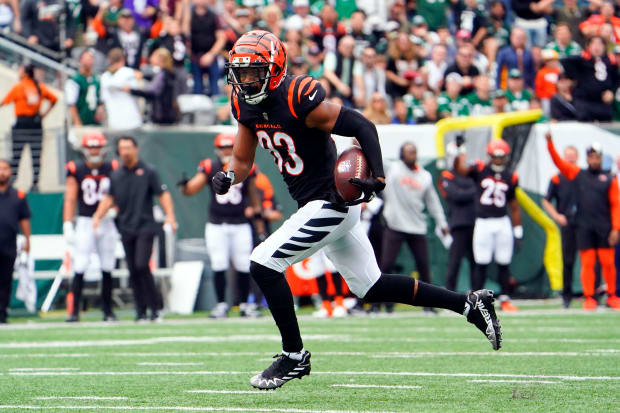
350, 164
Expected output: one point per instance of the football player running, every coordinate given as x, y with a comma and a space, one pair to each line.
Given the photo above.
228, 234
87, 183
290, 118
494, 232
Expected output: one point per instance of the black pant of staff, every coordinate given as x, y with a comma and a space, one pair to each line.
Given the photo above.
27, 131
462, 247
138, 248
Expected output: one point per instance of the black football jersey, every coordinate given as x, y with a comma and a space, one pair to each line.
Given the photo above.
228, 208
305, 156
494, 190
564, 192
93, 184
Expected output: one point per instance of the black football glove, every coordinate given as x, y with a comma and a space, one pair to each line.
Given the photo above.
370, 187
221, 182
460, 140
183, 181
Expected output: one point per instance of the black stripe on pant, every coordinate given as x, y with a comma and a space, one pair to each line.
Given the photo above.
138, 248
27, 130
392, 240
7, 262
462, 247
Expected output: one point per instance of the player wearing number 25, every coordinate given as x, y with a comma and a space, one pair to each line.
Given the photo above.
228, 234
494, 233
88, 182
132, 188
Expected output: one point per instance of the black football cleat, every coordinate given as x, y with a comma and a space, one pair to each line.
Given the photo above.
73, 319
480, 311
281, 371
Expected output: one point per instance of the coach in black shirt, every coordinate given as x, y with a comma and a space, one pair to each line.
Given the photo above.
564, 193
132, 189
14, 215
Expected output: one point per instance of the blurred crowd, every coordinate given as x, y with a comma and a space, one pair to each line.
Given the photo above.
397, 61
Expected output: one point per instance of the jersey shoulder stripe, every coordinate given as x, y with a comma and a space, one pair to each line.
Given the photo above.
555, 179
480, 166
303, 83
235, 100
515, 178
71, 168
21, 194
205, 166
291, 90
447, 175
114, 164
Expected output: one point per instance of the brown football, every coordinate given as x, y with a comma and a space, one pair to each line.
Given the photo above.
350, 164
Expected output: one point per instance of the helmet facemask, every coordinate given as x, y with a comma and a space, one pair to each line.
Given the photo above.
96, 158
495, 165
250, 81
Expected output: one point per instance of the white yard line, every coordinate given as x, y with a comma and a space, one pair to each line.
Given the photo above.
147, 363
417, 354
46, 369
274, 338
113, 398
178, 408
334, 373
230, 391
45, 355
515, 381
375, 386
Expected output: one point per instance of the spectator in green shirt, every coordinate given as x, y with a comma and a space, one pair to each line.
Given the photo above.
450, 103
480, 99
82, 93
518, 97
563, 43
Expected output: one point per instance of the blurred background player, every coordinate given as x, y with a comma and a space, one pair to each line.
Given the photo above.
563, 192
88, 182
228, 232
15, 216
459, 191
338, 310
597, 219
493, 230
409, 191
132, 189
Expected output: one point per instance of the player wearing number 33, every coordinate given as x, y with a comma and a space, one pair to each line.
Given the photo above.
494, 233
228, 234
88, 182
290, 118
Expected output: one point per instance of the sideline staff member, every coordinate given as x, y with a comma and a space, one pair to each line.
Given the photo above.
132, 189
14, 214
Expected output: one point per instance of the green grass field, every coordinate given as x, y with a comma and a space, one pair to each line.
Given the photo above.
552, 361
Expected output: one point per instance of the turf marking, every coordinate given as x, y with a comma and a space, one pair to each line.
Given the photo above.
334, 373
45, 369
81, 398
147, 363
178, 408
418, 354
375, 386
274, 338
514, 381
46, 355
229, 391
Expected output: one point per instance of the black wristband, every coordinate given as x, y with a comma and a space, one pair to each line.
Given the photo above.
258, 215
353, 123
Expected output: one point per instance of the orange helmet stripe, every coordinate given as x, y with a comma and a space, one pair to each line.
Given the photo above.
291, 90
301, 86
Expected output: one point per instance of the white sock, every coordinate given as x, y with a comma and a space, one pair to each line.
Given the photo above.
295, 356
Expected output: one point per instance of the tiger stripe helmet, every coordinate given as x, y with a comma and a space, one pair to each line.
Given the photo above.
97, 141
260, 55
498, 147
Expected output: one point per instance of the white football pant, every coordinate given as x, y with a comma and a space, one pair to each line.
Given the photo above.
226, 242
321, 224
87, 241
493, 238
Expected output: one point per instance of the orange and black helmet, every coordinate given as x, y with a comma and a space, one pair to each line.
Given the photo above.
256, 66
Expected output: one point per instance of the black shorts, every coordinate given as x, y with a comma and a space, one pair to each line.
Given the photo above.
588, 238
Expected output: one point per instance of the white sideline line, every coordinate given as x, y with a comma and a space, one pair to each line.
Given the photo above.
417, 354
504, 375
274, 338
334, 373
80, 398
180, 408
47, 369
229, 391
375, 386
147, 363
515, 381
46, 355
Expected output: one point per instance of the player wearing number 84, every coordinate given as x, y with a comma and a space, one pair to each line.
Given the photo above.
290, 118
88, 182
